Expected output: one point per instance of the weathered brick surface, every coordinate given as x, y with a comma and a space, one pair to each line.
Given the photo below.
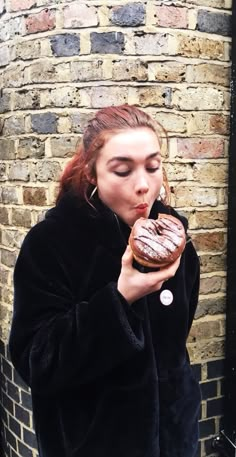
47, 171
208, 73
63, 146
40, 22
11, 27
21, 217
4, 215
211, 22
14, 76
44, 123
97, 97
60, 97
87, 70
195, 98
30, 147
13, 125
212, 348
46, 71
195, 46
65, 45
26, 50
129, 71
203, 328
191, 148
17, 5
5, 103
210, 241
8, 195
157, 96
172, 123
171, 16
34, 196
12, 238
78, 15
167, 72
4, 56
59, 62
8, 258
204, 219
212, 285
26, 99
3, 172
107, 42
7, 149
210, 306
207, 123
131, 15
187, 196
19, 171
227, 4
79, 121
148, 43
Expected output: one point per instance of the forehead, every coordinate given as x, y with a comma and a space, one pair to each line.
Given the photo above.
131, 141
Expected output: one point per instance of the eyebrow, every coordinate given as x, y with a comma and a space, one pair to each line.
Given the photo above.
128, 159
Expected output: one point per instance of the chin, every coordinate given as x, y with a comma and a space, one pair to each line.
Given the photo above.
135, 219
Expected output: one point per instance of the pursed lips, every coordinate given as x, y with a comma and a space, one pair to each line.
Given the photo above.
141, 206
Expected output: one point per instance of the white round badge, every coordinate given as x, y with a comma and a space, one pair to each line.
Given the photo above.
166, 297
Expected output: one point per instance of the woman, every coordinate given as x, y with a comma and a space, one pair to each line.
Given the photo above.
106, 360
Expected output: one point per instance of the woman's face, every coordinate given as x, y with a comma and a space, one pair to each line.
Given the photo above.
129, 173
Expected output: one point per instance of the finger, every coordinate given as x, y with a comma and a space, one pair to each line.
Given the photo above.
174, 266
164, 273
171, 269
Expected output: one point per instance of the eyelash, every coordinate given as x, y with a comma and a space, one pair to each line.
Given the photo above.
152, 170
126, 173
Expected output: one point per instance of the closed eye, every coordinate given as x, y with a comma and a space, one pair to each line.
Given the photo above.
122, 173
152, 170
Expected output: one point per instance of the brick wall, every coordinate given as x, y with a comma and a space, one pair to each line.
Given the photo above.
59, 62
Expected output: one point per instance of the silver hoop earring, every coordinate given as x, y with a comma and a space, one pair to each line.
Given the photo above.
162, 194
93, 192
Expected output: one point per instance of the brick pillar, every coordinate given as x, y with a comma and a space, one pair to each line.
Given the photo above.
59, 62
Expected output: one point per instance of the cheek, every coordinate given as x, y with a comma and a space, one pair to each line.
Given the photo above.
155, 184
115, 192
113, 195
107, 190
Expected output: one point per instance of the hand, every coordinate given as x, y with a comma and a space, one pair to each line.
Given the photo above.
133, 284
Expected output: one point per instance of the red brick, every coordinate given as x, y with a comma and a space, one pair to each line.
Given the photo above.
34, 196
171, 16
79, 15
200, 148
17, 5
40, 22
220, 123
209, 241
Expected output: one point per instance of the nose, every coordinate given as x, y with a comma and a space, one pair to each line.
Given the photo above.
142, 185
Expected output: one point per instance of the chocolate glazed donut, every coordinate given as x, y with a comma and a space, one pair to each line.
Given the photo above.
157, 243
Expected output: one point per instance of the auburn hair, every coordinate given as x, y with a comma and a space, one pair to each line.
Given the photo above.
79, 175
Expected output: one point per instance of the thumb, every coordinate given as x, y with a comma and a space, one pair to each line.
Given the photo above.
127, 257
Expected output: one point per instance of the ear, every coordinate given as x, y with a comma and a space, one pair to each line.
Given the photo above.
90, 178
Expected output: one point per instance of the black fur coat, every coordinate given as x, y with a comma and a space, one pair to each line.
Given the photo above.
107, 379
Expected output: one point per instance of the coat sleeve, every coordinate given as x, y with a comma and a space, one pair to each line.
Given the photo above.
55, 342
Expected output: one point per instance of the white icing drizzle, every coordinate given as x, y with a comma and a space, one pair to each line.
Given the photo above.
158, 238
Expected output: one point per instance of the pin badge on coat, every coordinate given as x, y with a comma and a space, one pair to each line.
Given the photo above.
166, 297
